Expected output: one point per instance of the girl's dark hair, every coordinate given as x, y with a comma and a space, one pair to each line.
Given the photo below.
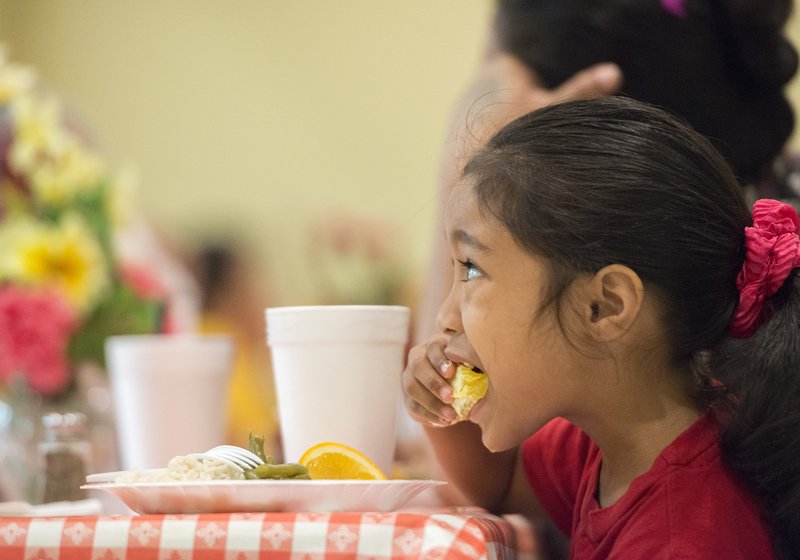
589, 183
720, 64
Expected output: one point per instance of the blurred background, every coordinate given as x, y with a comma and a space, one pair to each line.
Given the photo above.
308, 132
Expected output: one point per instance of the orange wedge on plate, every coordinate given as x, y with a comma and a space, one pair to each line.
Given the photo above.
331, 460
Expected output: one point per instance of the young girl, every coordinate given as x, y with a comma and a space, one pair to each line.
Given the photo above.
639, 331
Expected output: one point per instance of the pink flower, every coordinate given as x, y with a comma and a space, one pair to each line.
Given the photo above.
149, 287
35, 327
142, 281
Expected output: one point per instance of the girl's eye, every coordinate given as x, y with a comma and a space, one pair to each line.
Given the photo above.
470, 270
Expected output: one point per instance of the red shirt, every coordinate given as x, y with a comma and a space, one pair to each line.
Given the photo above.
688, 505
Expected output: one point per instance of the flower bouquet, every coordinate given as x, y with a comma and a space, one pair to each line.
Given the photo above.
62, 287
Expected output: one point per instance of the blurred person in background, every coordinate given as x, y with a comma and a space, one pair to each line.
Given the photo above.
233, 302
722, 66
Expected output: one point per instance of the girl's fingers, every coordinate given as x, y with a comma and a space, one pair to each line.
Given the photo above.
427, 392
427, 371
435, 354
425, 407
595, 81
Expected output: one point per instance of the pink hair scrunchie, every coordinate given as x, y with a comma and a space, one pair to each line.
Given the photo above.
772, 251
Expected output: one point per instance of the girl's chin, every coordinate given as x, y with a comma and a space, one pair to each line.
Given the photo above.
480, 415
475, 413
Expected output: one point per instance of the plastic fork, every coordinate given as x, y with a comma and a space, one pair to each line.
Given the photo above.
232, 455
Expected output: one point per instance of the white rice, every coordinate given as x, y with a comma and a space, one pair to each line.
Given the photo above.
183, 468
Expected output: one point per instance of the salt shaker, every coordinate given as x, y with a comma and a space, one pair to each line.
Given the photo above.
66, 456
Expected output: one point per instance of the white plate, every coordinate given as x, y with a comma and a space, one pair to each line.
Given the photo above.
89, 506
223, 496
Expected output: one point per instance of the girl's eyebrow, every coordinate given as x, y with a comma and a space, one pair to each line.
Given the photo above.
461, 236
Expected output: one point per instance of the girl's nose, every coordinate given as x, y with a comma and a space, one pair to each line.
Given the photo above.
448, 319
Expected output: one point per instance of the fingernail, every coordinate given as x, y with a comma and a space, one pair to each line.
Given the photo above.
446, 393
445, 366
608, 73
449, 415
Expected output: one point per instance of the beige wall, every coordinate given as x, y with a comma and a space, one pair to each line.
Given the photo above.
4, 23
794, 86
265, 115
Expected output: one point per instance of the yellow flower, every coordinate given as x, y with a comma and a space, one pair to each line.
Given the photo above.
15, 79
38, 133
69, 172
123, 186
65, 256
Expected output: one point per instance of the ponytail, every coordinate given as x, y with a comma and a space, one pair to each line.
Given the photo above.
761, 437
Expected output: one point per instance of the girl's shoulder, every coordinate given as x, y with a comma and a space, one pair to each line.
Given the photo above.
705, 510
688, 505
711, 514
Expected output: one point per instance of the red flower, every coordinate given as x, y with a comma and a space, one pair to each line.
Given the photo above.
35, 327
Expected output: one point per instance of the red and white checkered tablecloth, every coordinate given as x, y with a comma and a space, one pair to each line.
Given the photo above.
255, 536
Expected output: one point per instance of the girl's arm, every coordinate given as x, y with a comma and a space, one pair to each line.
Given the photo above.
495, 481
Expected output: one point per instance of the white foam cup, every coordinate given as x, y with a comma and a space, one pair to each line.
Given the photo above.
169, 394
337, 376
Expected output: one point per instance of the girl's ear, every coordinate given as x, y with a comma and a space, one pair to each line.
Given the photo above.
614, 297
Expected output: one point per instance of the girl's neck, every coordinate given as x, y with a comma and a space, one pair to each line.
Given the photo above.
635, 429
633, 451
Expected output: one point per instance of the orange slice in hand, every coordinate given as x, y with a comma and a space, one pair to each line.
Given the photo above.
469, 386
332, 460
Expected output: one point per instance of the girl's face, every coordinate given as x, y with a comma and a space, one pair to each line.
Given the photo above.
494, 319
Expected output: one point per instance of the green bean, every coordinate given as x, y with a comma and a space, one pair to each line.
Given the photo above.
257, 447
269, 469
284, 470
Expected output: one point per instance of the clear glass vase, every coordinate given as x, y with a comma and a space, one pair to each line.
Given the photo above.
21, 430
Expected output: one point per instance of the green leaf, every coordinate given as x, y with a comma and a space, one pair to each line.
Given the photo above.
92, 205
122, 312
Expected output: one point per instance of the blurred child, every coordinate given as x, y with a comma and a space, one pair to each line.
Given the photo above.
234, 304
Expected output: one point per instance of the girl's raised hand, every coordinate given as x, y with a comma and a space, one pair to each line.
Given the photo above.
426, 389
